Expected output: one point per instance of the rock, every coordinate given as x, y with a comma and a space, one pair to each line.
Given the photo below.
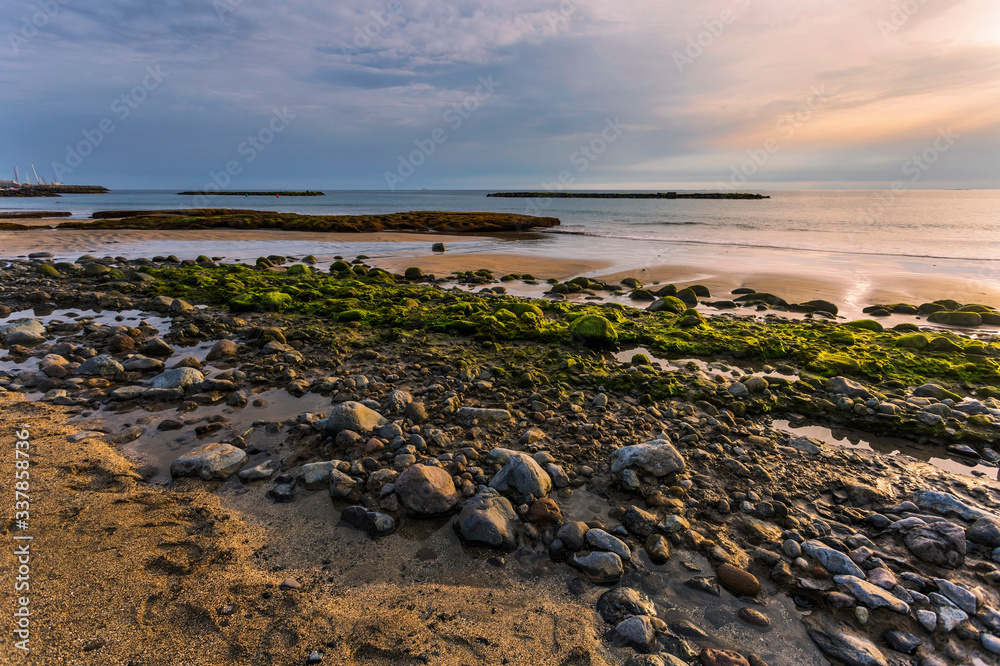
100, 366
397, 401
637, 631
573, 534
673, 524
985, 532
941, 543
753, 617
848, 647
138, 362
902, 641
820, 305
156, 347
658, 548
179, 306
656, 457
176, 378
936, 392
265, 470
22, 332
427, 490
670, 304
599, 566
616, 604
713, 657
927, 619
217, 460
125, 393
959, 595
352, 416
595, 331
522, 474
342, 485
375, 523
638, 521
872, 596
947, 504
438, 247
316, 475
832, 560
738, 390
488, 519
965, 319
806, 444
848, 387
544, 512
601, 540
222, 349
737, 581
470, 415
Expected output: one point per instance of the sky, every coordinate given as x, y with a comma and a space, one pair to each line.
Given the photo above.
502, 94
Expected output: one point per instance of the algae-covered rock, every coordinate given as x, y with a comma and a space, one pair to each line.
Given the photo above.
275, 300
865, 325
667, 304
943, 344
594, 330
688, 296
632, 282
955, 318
298, 269
930, 308
642, 295
917, 341
522, 308
690, 318
822, 306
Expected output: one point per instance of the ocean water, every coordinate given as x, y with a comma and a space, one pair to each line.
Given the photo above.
946, 224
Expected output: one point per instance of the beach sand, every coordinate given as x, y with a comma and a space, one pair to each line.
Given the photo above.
497, 263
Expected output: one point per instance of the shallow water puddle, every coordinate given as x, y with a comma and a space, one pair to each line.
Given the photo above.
854, 439
108, 317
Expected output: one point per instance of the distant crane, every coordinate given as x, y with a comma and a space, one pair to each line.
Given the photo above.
17, 177
37, 181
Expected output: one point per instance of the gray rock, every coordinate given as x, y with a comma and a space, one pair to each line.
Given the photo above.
341, 485
315, 476
522, 474
990, 642
352, 416
637, 631
599, 566
959, 595
573, 534
949, 615
870, 595
832, 560
397, 401
265, 470
140, 363
100, 366
806, 444
941, 543
222, 349
217, 460
848, 387
156, 347
936, 392
985, 532
639, 521
928, 418
946, 504
22, 332
657, 457
601, 540
672, 524
125, 393
738, 390
469, 415
427, 490
375, 523
176, 378
488, 519
927, 619
848, 647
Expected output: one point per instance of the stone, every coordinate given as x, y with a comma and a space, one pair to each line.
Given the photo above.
224, 348
573, 534
22, 332
265, 470
947, 504
173, 378
848, 387
658, 548
618, 603
737, 581
375, 523
342, 485
141, 363
470, 415
936, 392
595, 331
523, 475
959, 595
352, 416
753, 617
840, 643
638, 521
427, 490
544, 512
656, 457
738, 390
599, 566
832, 560
217, 460
927, 619
601, 540
315, 476
901, 641
941, 543
713, 657
637, 631
985, 532
488, 519
100, 366
397, 401
872, 596
156, 347
673, 524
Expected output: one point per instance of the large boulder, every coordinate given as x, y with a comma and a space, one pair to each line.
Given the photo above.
100, 366
657, 457
217, 460
488, 519
594, 331
941, 543
522, 474
848, 387
23, 332
176, 378
352, 416
427, 490
985, 532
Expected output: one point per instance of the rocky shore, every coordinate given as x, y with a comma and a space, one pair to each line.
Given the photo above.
659, 514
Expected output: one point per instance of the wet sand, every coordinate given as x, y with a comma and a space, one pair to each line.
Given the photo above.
498, 264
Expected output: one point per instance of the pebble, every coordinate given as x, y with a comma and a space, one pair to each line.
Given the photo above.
738, 581
753, 617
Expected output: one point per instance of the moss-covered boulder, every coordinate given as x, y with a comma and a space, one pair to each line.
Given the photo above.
700, 290
930, 308
956, 318
949, 304
822, 306
690, 318
632, 282
669, 290
594, 331
520, 309
339, 267
413, 273
760, 297
688, 296
48, 270
943, 344
670, 304
299, 269
865, 325
275, 300
642, 295
916, 341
